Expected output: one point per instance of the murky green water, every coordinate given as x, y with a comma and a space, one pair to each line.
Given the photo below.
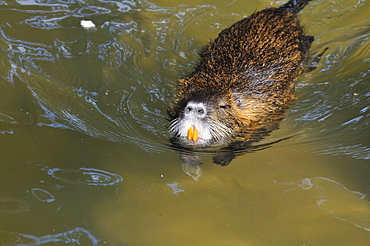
84, 157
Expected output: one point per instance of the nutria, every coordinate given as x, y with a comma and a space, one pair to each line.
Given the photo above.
244, 81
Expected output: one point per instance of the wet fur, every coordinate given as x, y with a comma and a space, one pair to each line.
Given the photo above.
245, 78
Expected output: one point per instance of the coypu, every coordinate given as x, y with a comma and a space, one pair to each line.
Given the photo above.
241, 88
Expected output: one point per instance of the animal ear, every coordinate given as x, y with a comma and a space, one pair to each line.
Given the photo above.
224, 103
237, 98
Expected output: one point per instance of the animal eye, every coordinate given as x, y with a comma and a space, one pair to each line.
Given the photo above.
224, 106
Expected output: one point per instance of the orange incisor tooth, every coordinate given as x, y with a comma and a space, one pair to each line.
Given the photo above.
193, 134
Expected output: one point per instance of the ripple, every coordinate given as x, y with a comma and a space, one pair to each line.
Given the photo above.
357, 151
21, 48
42, 195
337, 200
332, 104
76, 236
84, 176
176, 188
88, 11
8, 205
343, 203
117, 82
7, 119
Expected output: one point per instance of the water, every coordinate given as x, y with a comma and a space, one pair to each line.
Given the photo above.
84, 147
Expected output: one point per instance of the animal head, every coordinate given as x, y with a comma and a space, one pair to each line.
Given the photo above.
205, 118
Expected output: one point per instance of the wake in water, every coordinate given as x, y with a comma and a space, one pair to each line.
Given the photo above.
116, 82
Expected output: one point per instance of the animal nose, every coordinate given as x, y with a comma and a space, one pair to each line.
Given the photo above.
197, 109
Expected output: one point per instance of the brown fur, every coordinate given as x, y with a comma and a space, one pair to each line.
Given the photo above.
246, 75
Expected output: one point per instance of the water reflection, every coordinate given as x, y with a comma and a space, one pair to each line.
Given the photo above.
95, 82
86, 176
341, 202
77, 235
8, 205
65, 88
222, 155
42, 195
175, 188
117, 81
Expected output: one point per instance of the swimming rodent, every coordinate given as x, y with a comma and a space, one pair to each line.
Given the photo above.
244, 82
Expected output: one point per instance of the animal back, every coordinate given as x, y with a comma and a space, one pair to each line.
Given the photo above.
268, 44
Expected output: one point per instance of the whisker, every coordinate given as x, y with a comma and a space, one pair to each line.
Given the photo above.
174, 127
218, 130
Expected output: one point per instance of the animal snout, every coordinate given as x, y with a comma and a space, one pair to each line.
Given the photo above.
197, 109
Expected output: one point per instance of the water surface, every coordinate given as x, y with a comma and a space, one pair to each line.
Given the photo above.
85, 156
